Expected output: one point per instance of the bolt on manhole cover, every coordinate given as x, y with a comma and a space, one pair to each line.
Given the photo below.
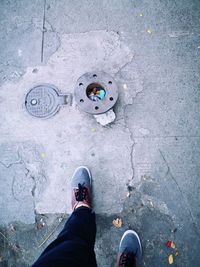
96, 92
44, 100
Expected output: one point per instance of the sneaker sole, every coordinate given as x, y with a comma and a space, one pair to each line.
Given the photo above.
84, 167
131, 232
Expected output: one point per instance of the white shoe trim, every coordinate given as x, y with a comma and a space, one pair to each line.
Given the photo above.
131, 232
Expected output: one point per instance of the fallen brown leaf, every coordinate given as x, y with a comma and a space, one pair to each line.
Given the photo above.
177, 253
117, 223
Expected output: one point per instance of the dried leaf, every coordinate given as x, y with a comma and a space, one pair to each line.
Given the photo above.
149, 31
141, 15
42, 155
117, 223
171, 259
93, 130
177, 253
168, 244
171, 244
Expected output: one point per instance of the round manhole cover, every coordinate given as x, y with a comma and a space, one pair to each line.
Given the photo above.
42, 101
96, 92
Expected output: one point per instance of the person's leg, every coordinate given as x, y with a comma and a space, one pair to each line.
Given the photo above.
130, 250
82, 225
74, 246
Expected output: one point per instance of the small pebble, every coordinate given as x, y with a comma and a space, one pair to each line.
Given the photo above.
35, 70
125, 86
149, 31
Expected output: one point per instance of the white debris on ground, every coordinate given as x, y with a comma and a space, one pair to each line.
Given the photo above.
105, 118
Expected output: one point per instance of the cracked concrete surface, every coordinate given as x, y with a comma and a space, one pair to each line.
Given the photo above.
65, 150
145, 164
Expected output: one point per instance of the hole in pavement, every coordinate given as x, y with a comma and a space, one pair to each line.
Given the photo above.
81, 100
95, 92
110, 82
111, 98
96, 107
80, 84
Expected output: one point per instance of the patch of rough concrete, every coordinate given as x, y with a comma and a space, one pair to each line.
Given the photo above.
22, 179
72, 138
25, 243
20, 35
167, 171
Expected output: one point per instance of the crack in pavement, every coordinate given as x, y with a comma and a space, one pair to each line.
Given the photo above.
28, 175
10, 164
43, 32
132, 140
34, 186
12, 188
125, 118
169, 172
57, 36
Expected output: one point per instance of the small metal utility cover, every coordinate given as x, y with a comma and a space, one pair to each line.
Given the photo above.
96, 92
43, 101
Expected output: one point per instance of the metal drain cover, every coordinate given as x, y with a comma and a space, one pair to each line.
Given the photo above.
43, 101
96, 92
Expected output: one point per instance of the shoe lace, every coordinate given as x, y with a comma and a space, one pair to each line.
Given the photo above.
126, 260
81, 192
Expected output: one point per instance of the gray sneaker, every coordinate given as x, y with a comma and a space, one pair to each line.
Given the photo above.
81, 187
130, 250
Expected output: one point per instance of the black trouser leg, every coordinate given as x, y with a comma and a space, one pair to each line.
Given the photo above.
74, 246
